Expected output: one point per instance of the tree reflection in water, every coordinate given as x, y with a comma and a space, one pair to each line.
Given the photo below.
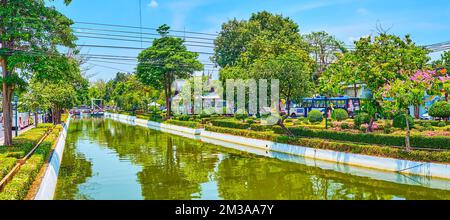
174, 167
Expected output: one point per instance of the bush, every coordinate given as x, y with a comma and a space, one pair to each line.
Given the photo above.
418, 141
258, 127
243, 133
345, 126
230, 124
241, 115
440, 109
441, 124
189, 124
315, 116
339, 115
22, 181
250, 121
400, 121
341, 146
361, 118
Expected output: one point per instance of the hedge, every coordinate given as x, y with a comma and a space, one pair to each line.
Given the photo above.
189, 124
230, 124
372, 150
6, 164
258, 127
21, 183
370, 138
244, 133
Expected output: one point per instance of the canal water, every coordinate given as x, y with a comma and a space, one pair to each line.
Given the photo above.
106, 159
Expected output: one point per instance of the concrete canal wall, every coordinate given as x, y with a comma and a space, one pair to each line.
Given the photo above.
424, 169
48, 184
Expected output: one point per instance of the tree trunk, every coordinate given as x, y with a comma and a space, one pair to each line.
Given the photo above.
7, 106
355, 90
7, 114
288, 106
370, 127
416, 111
446, 96
36, 119
408, 134
168, 103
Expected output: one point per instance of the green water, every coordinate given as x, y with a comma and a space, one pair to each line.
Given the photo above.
105, 159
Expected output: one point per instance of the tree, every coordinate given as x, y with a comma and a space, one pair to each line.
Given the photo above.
240, 43
379, 60
294, 69
443, 66
398, 94
30, 32
166, 60
324, 49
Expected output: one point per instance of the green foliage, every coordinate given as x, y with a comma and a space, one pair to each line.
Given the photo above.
440, 109
230, 124
166, 60
418, 141
258, 127
262, 35
361, 118
6, 164
400, 121
382, 151
241, 114
22, 181
315, 116
189, 124
339, 114
243, 133
441, 124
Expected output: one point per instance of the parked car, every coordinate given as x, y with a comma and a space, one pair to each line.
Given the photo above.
426, 116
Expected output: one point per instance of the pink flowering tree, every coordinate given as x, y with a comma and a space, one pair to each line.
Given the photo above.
398, 95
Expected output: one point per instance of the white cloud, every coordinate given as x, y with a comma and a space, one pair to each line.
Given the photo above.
153, 4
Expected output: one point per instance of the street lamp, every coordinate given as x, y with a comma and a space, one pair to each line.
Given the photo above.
15, 100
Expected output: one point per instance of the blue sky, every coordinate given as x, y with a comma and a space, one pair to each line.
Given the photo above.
426, 21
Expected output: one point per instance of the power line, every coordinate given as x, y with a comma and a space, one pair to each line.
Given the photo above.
136, 48
121, 39
144, 28
135, 37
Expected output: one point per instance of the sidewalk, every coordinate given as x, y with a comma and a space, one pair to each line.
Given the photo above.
2, 139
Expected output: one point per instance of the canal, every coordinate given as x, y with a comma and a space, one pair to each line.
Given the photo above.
106, 159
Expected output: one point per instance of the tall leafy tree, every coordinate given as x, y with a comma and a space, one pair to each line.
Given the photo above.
294, 70
243, 42
324, 49
378, 60
29, 32
166, 60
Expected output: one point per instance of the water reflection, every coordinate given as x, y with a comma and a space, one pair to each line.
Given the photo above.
105, 159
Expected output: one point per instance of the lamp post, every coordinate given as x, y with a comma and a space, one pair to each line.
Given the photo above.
16, 99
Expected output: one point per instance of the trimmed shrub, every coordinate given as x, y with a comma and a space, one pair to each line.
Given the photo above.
372, 150
250, 121
361, 118
441, 124
315, 116
440, 109
243, 133
241, 115
189, 124
230, 124
400, 121
418, 141
258, 127
339, 114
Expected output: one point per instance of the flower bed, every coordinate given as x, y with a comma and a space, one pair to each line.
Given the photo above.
189, 124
